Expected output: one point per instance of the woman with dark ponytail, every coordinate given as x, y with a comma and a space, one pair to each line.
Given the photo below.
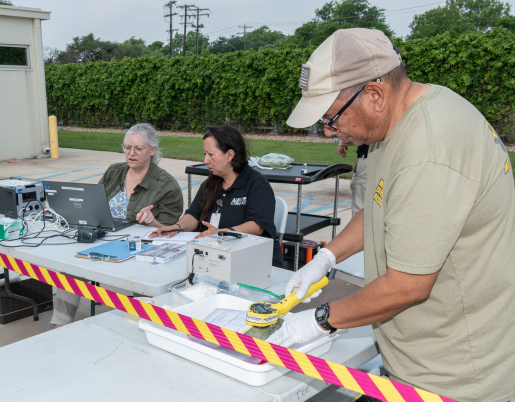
234, 196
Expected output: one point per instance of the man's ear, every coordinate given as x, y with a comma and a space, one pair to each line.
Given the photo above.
376, 94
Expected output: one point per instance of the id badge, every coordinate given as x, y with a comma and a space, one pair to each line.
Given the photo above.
215, 219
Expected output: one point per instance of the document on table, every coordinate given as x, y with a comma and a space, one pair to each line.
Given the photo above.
234, 320
181, 237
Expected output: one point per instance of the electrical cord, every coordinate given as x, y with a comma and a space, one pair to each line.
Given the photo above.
36, 219
189, 279
196, 252
37, 222
26, 234
26, 241
191, 275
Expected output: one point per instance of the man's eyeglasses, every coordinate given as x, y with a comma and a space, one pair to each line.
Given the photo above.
344, 108
137, 150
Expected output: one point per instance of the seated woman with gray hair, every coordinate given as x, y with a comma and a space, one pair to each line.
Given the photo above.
136, 189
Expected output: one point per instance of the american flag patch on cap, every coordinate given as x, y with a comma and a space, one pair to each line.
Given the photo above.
304, 77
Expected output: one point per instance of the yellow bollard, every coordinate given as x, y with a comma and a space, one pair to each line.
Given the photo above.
54, 143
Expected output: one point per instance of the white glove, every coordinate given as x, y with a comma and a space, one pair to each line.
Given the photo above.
298, 328
311, 273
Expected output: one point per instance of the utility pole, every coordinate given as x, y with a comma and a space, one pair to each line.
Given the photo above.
186, 8
202, 25
170, 15
244, 33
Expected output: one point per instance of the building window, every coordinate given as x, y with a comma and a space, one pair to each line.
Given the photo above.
12, 56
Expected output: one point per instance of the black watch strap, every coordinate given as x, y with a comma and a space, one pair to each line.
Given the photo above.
322, 317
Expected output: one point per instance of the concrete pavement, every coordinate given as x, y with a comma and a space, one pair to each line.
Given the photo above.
88, 167
76, 165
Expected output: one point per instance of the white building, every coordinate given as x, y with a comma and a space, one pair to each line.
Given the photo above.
23, 105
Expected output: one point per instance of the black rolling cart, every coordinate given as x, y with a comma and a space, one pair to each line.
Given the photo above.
298, 224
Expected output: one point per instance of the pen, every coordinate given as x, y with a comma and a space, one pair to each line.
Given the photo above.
168, 231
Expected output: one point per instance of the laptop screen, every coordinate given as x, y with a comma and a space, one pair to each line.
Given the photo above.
80, 204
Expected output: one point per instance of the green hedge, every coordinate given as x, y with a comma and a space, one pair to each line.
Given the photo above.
480, 67
247, 88
256, 88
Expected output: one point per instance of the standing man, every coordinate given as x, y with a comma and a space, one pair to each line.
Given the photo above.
438, 227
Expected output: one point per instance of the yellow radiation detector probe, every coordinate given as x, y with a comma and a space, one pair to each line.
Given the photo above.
265, 314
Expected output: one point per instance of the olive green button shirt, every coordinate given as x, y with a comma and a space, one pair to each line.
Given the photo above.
158, 188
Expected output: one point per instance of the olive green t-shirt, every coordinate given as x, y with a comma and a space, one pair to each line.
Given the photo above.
440, 196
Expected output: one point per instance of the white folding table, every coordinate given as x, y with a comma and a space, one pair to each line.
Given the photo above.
130, 275
106, 358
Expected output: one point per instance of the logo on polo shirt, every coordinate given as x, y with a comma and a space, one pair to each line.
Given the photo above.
239, 201
378, 196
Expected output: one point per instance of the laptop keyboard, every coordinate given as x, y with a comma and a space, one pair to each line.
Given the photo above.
117, 222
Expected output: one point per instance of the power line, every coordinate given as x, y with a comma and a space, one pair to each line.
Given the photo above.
186, 8
217, 24
226, 41
244, 33
199, 26
347, 18
170, 14
220, 30
285, 23
222, 21
220, 18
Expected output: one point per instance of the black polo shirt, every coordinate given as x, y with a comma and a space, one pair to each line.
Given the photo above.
250, 198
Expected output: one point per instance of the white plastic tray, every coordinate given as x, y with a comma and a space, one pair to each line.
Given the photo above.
256, 375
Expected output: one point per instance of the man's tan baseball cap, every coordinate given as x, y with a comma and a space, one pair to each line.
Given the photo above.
348, 57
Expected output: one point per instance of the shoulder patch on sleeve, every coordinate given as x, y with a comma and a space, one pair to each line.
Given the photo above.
378, 195
304, 77
507, 165
497, 139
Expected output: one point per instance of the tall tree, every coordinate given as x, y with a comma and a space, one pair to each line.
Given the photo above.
340, 15
460, 16
191, 42
259, 37
132, 48
226, 44
88, 48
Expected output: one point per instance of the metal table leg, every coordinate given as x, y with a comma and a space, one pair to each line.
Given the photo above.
297, 229
20, 298
189, 190
93, 302
336, 191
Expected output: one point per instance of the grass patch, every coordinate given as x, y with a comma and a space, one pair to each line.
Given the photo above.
190, 148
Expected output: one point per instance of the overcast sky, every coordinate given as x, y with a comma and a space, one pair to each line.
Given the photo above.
118, 20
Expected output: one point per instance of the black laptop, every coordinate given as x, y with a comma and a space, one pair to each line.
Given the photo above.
83, 205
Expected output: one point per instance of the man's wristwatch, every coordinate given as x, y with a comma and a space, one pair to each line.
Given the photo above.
322, 317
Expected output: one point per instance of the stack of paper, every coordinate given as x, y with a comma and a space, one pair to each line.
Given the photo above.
162, 253
181, 237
